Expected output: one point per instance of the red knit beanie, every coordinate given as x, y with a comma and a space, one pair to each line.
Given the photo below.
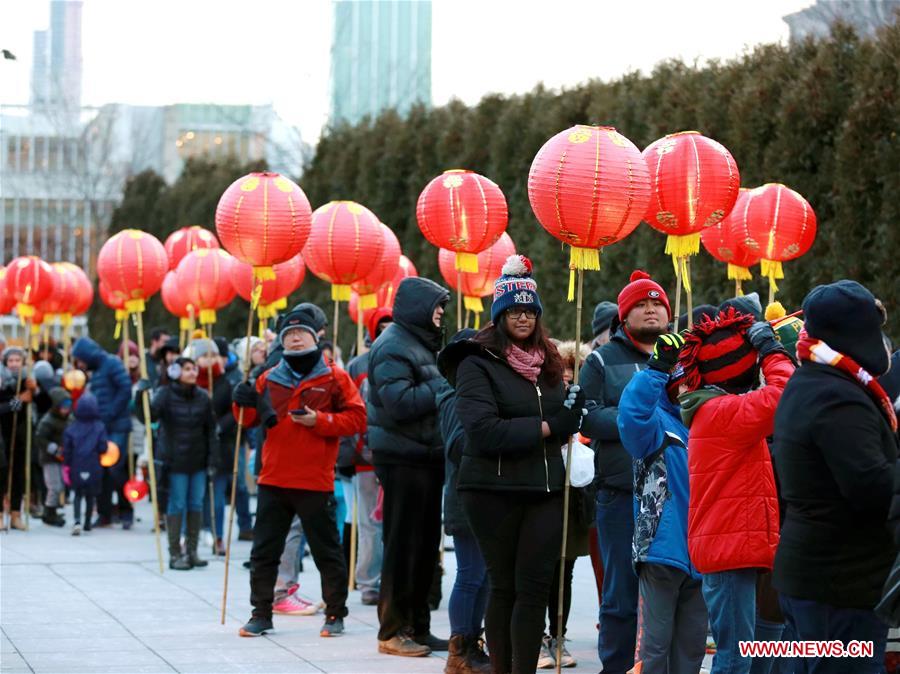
716, 352
642, 287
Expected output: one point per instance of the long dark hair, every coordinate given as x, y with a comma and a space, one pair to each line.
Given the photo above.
494, 338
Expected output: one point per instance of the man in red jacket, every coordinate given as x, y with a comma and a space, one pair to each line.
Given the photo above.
733, 506
303, 404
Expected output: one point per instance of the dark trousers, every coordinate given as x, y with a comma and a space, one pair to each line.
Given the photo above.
18, 477
553, 599
520, 534
275, 509
470, 591
412, 538
87, 495
114, 480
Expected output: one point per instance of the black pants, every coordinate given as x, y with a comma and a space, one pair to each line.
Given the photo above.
18, 477
553, 605
412, 536
275, 508
88, 496
520, 534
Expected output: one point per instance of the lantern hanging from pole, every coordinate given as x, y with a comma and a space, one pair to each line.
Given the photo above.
84, 296
345, 243
263, 219
462, 211
29, 281
729, 241
476, 285
135, 490
182, 241
588, 187
204, 278
65, 296
174, 301
386, 293
133, 263
382, 272
115, 301
7, 301
271, 294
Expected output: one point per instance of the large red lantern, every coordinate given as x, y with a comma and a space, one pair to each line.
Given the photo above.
65, 295
386, 293
588, 187
29, 280
84, 295
7, 301
133, 263
345, 243
464, 212
204, 278
263, 219
729, 241
174, 301
475, 285
383, 271
272, 293
182, 241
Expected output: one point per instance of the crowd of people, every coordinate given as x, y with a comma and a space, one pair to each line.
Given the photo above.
744, 470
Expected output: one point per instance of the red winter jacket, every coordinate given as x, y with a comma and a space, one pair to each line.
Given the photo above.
296, 456
733, 507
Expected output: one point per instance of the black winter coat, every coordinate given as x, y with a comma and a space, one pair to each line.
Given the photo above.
834, 455
187, 429
605, 375
455, 522
404, 380
501, 413
225, 423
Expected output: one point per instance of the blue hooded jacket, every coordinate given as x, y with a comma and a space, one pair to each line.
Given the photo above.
110, 384
83, 442
648, 421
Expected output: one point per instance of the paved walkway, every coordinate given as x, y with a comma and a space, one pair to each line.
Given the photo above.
97, 603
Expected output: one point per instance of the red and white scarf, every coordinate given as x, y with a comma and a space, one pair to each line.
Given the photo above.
817, 351
526, 363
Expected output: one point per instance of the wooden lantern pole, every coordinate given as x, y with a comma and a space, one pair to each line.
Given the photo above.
459, 302
29, 428
677, 293
689, 291
209, 478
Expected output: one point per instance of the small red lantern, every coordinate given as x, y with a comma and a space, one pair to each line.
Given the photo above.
116, 301
29, 280
182, 241
383, 271
386, 293
588, 187
133, 263
135, 490
7, 301
729, 241
263, 219
174, 301
464, 212
272, 293
204, 278
345, 243
111, 456
84, 295
74, 380
475, 285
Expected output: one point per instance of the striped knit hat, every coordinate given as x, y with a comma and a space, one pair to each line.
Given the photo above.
716, 353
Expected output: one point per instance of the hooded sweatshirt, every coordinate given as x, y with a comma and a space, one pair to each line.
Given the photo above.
109, 383
84, 441
49, 434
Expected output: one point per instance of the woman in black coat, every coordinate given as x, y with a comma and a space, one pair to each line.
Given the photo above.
516, 414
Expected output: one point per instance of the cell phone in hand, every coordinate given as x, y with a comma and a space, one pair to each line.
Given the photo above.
298, 413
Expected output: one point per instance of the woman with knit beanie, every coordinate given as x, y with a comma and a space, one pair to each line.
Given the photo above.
516, 413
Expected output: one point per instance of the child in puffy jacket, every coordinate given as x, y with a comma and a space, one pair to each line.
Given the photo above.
48, 440
83, 443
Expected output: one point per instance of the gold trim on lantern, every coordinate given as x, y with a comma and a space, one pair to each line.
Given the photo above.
207, 316
184, 324
25, 311
581, 258
340, 292
264, 273
772, 270
473, 303
738, 273
682, 246
135, 306
368, 301
466, 262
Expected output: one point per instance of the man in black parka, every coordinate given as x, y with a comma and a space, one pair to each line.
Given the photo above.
405, 439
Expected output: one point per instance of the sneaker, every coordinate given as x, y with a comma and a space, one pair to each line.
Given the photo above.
546, 659
565, 658
76, 529
433, 642
87, 526
292, 605
370, 597
333, 627
402, 644
256, 627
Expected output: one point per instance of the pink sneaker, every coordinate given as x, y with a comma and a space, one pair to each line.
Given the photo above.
292, 605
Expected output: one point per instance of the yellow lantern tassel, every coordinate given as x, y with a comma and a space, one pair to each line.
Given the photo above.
340, 292
581, 258
369, 301
473, 303
685, 273
25, 311
264, 273
207, 316
118, 331
738, 273
772, 270
466, 262
478, 321
682, 246
65, 320
184, 324
135, 306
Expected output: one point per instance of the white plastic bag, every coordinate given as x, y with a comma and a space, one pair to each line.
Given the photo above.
582, 473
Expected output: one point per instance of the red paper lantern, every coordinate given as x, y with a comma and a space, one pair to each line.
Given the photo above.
65, 295
464, 212
695, 183
263, 219
383, 271
111, 456
135, 490
182, 241
7, 301
84, 295
133, 263
174, 301
475, 285
204, 278
782, 225
273, 293
588, 187
386, 293
29, 280
729, 241
112, 299
345, 243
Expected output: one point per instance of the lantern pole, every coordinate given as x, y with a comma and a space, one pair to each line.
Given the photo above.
337, 317
28, 427
567, 486
458, 300
677, 293
151, 464
688, 291
65, 345
7, 512
209, 478
738, 290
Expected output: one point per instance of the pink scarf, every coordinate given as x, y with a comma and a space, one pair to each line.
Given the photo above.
526, 363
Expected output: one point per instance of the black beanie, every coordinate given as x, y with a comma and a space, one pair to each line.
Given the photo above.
222, 344
745, 304
846, 316
603, 315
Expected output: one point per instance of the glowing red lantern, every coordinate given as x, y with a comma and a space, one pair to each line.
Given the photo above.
84, 295
74, 380
729, 241
464, 212
475, 285
345, 243
204, 278
135, 490
383, 271
695, 183
29, 280
182, 241
111, 456
263, 219
272, 293
588, 187
133, 263
174, 301
7, 301
385, 296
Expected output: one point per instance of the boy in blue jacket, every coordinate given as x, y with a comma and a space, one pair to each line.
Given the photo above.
672, 615
83, 442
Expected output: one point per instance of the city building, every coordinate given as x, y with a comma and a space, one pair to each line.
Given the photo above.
864, 15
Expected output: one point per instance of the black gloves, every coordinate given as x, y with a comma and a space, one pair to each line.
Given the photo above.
567, 421
245, 395
762, 338
575, 397
143, 385
15, 405
665, 352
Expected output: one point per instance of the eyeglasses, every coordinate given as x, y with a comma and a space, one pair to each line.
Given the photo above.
516, 314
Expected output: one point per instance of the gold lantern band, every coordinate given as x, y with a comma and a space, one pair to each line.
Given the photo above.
207, 316
466, 262
682, 246
135, 306
581, 258
772, 270
340, 292
185, 324
738, 273
368, 301
264, 273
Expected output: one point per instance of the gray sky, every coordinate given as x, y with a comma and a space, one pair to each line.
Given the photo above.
277, 51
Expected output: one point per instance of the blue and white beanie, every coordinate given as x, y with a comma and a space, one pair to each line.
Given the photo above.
515, 288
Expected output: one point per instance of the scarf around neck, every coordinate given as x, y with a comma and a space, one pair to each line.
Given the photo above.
526, 363
817, 351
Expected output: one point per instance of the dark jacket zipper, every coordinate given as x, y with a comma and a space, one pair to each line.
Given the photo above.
543, 440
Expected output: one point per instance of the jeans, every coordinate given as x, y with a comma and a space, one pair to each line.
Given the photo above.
370, 547
291, 559
186, 491
114, 480
731, 600
618, 610
469, 596
815, 621
220, 496
766, 630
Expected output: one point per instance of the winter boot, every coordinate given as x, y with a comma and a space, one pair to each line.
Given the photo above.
477, 660
15, 521
177, 560
194, 523
52, 518
456, 660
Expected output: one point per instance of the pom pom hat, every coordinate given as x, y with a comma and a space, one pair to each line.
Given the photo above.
717, 353
515, 288
642, 287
